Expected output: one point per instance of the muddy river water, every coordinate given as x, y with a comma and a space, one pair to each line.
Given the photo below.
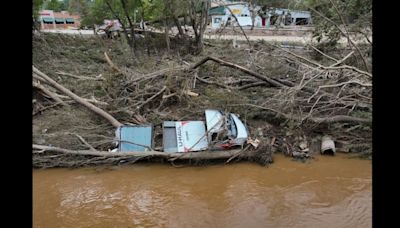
326, 192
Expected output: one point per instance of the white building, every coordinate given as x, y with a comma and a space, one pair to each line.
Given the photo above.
285, 17
221, 15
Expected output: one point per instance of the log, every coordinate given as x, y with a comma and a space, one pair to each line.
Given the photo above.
214, 83
50, 106
203, 155
156, 74
255, 84
79, 77
271, 81
92, 100
112, 65
49, 93
78, 99
84, 142
340, 118
152, 97
35, 76
93, 153
190, 93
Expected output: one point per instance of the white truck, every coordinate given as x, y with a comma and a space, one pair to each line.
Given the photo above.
220, 131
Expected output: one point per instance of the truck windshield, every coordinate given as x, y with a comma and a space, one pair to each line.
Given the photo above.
231, 126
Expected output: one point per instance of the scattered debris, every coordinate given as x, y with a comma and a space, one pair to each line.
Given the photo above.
255, 143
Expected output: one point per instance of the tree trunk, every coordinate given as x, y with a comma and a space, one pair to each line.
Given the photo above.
178, 25
133, 40
122, 24
192, 12
253, 15
78, 99
166, 32
146, 36
199, 26
203, 22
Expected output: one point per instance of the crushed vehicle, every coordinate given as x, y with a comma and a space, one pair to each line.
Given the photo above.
220, 131
110, 28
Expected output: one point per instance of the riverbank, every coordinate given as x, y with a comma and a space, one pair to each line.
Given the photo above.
124, 89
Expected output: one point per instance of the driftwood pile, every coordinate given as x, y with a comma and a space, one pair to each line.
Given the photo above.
332, 98
50, 156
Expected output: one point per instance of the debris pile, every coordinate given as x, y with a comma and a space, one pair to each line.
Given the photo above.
286, 98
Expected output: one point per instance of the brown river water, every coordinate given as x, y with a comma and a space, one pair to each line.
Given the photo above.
325, 192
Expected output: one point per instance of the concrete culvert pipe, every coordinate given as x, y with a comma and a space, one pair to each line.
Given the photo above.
327, 146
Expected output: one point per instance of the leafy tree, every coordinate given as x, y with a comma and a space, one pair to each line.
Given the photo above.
54, 5
80, 7
152, 9
130, 12
36, 7
97, 13
65, 4
333, 17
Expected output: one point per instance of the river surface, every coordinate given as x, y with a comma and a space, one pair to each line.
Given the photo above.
326, 192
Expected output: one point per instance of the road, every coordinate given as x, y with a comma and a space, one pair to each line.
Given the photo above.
274, 38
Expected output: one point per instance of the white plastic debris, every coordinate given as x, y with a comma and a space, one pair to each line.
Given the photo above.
254, 143
303, 145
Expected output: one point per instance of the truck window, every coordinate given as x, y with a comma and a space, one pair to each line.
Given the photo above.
232, 127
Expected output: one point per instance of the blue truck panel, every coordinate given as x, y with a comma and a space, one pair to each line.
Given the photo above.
135, 138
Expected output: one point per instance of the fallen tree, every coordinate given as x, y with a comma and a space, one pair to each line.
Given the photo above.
235, 66
78, 99
46, 156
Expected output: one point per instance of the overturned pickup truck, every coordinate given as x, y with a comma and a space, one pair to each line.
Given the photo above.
220, 131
